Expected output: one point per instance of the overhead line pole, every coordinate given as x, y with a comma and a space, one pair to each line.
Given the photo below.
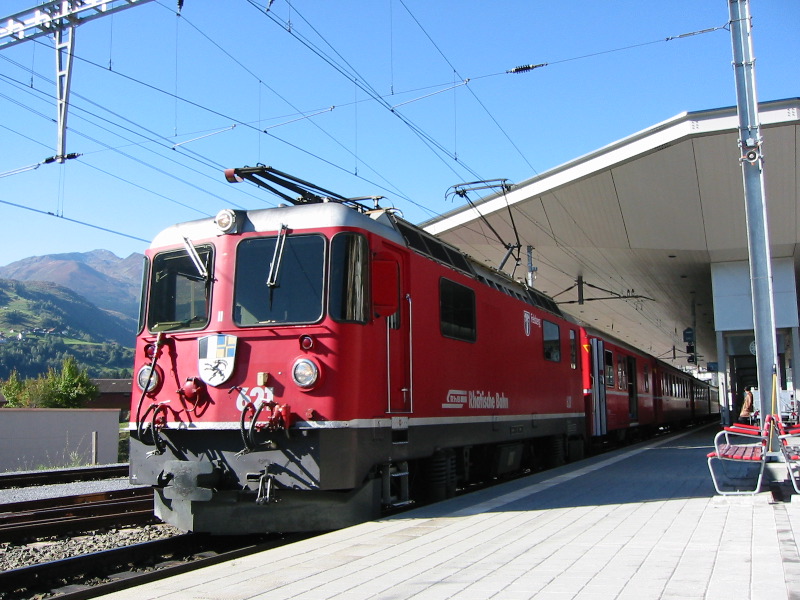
752, 161
59, 19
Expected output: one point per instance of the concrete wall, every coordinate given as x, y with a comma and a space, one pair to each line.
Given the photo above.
35, 438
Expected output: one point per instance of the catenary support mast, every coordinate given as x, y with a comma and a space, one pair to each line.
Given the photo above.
59, 19
752, 161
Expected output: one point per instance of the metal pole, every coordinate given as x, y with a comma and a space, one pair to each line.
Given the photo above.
65, 49
752, 162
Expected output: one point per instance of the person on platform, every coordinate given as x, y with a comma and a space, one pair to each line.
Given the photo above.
746, 414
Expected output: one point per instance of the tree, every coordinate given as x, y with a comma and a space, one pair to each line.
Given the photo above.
73, 386
13, 389
68, 388
14, 317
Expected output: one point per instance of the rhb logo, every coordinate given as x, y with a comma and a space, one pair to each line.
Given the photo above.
456, 399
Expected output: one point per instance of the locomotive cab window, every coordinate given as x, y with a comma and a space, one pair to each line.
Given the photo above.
457, 311
552, 341
279, 280
143, 294
348, 298
179, 293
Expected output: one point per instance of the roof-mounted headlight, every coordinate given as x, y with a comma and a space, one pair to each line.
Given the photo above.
227, 221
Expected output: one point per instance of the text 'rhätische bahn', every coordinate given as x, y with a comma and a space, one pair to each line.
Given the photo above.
302, 368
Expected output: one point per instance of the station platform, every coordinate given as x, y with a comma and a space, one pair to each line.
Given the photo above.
638, 523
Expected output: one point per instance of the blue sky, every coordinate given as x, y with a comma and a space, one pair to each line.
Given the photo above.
400, 98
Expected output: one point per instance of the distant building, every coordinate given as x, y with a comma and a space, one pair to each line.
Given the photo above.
114, 393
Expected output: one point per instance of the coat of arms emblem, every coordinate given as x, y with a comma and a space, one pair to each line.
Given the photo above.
216, 357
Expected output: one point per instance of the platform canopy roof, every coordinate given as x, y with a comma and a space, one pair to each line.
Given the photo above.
643, 219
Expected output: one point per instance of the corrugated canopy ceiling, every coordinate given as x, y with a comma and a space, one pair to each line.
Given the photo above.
645, 216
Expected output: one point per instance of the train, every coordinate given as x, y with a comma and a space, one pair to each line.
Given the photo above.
309, 366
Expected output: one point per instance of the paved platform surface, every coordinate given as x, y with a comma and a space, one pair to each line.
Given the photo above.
639, 523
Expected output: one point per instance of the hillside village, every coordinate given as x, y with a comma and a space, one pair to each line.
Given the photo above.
15, 334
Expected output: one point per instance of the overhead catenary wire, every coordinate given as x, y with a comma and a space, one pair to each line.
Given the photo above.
46, 161
205, 161
353, 75
115, 176
106, 146
230, 118
305, 114
197, 105
554, 62
76, 221
296, 146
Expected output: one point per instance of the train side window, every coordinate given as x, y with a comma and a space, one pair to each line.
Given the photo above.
552, 341
646, 378
573, 349
347, 297
457, 311
609, 369
621, 375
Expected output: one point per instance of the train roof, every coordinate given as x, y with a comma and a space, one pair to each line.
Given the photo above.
382, 222
306, 216
313, 207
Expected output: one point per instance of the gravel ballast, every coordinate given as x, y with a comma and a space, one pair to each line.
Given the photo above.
14, 556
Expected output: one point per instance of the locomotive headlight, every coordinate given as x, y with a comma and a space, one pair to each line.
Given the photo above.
226, 221
148, 379
305, 373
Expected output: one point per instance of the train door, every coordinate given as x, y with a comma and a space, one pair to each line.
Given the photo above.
633, 389
599, 408
398, 346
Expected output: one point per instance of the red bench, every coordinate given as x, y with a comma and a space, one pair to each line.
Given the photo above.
736, 452
741, 452
790, 448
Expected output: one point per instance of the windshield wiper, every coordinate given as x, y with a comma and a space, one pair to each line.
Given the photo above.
198, 262
277, 257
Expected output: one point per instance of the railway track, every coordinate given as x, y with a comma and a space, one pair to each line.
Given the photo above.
31, 478
92, 575
57, 516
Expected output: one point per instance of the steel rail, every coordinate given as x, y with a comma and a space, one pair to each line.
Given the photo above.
31, 478
165, 558
56, 516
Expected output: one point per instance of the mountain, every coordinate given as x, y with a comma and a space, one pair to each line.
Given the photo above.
84, 304
109, 282
43, 322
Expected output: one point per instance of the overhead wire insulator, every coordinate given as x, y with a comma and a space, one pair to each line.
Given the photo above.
526, 68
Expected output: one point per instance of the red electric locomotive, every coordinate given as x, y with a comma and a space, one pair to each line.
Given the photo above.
301, 367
